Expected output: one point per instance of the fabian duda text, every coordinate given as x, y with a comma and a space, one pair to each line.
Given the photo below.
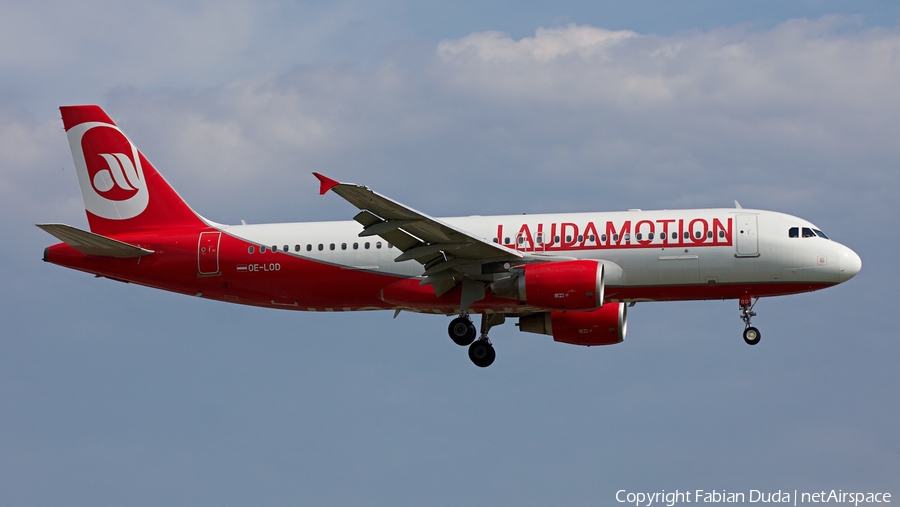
672, 498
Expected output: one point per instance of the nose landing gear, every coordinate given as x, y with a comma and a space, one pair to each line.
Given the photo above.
751, 334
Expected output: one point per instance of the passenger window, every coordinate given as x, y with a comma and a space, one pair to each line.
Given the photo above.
539, 239
343, 246
250, 249
591, 237
674, 235
296, 248
687, 235
698, 234
495, 240
367, 245
262, 249
505, 241
309, 247
378, 244
721, 234
638, 236
274, 248
285, 248
709, 234
331, 246
568, 239
820, 234
603, 238
808, 233
390, 245
794, 232
615, 237
650, 236
321, 247
520, 239
556, 239
356, 246
580, 238
628, 237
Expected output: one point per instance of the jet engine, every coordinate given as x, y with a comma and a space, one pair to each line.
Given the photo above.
564, 285
603, 326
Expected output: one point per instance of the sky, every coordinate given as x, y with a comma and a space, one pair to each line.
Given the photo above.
112, 394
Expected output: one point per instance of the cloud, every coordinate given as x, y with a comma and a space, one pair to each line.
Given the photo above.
573, 118
800, 118
546, 45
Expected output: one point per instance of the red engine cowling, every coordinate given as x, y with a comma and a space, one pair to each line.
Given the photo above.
564, 285
603, 326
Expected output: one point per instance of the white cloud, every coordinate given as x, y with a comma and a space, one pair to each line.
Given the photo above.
801, 118
574, 118
547, 44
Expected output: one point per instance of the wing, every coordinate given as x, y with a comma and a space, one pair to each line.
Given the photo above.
448, 254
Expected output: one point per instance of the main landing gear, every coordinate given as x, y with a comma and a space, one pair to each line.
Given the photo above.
751, 334
462, 332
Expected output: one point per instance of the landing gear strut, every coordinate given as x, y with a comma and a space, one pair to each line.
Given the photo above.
751, 334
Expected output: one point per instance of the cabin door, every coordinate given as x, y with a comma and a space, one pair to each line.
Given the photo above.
208, 253
747, 238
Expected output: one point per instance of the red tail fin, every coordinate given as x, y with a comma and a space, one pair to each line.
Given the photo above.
121, 189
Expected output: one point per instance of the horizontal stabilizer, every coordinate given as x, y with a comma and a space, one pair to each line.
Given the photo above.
89, 243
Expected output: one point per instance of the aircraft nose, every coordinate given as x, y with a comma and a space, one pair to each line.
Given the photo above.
850, 264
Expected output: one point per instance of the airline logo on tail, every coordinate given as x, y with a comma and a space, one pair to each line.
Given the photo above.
109, 171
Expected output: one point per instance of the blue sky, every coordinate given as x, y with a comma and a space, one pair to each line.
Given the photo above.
113, 394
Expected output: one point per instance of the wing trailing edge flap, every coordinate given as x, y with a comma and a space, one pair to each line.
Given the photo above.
90, 243
382, 215
390, 232
429, 241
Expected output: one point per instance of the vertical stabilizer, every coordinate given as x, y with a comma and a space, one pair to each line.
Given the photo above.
121, 189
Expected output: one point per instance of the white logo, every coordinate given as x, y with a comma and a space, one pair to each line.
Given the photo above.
117, 191
124, 175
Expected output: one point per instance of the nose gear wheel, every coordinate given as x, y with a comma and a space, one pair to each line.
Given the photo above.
751, 334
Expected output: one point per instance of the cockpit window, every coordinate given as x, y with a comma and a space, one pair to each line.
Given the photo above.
808, 233
820, 234
794, 232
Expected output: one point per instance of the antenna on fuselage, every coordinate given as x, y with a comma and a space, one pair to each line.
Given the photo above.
737, 205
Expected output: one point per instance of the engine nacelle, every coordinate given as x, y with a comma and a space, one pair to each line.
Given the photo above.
603, 326
564, 285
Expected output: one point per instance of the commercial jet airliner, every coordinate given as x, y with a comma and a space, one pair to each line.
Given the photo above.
570, 276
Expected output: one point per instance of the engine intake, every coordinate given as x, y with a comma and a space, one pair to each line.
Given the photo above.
564, 285
603, 326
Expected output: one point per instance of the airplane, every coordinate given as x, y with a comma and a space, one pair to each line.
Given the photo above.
568, 275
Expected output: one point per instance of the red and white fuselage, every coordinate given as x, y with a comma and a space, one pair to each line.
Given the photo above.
393, 257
